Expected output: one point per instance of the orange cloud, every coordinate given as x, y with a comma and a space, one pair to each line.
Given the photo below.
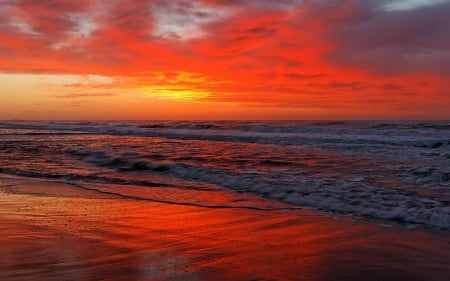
355, 59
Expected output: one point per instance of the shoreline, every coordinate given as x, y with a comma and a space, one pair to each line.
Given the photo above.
75, 234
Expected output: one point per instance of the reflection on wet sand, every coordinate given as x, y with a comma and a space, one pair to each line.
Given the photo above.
86, 237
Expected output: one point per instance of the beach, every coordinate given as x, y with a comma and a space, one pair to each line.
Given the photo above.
224, 200
52, 231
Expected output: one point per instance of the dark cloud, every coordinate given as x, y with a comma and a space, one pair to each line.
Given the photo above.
394, 42
261, 4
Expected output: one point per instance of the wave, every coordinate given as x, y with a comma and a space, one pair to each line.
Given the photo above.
392, 170
251, 131
316, 185
352, 196
184, 203
100, 179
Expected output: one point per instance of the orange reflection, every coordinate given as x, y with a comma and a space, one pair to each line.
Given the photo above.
75, 237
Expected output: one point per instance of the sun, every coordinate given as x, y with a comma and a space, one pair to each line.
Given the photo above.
179, 94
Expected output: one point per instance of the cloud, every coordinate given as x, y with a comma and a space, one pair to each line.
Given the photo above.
84, 26
124, 34
404, 5
181, 19
82, 95
269, 53
394, 41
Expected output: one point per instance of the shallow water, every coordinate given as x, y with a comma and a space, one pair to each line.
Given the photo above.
80, 235
396, 171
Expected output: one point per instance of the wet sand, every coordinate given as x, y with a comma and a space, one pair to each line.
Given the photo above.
53, 231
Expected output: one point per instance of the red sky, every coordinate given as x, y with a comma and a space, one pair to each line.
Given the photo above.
217, 59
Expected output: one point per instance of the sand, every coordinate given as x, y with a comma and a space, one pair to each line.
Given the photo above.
53, 231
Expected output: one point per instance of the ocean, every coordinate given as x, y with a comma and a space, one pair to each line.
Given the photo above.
372, 170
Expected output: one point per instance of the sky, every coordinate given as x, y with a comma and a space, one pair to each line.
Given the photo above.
218, 59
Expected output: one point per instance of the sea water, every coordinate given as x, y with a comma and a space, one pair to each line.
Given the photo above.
388, 170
